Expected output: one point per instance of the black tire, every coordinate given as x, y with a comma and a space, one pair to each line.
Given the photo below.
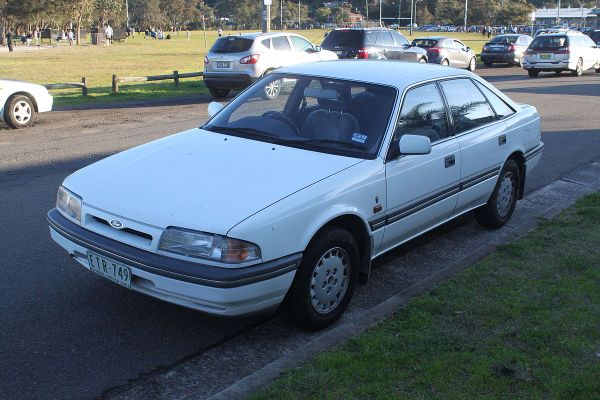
557, 73
519, 63
578, 68
472, 65
597, 70
445, 62
499, 208
488, 64
219, 93
18, 111
533, 73
298, 304
422, 60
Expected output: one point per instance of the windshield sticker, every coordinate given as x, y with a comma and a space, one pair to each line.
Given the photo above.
359, 137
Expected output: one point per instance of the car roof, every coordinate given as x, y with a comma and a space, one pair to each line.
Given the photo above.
254, 35
399, 74
432, 37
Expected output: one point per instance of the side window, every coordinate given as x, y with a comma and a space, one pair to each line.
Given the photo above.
502, 109
400, 40
423, 113
281, 43
468, 107
459, 45
384, 39
266, 43
300, 44
370, 38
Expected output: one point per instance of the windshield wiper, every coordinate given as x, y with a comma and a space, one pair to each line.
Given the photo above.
331, 141
247, 131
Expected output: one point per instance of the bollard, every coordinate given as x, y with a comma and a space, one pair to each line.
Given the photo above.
176, 77
115, 84
84, 88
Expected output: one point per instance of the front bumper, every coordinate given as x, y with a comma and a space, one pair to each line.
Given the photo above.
210, 289
44, 102
220, 80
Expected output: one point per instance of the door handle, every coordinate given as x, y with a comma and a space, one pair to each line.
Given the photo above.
449, 161
501, 140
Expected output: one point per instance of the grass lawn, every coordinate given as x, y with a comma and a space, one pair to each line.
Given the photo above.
524, 323
135, 57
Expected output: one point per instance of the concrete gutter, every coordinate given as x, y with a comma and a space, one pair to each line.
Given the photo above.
248, 362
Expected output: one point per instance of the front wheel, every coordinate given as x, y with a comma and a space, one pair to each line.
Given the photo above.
219, 93
499, 208
423, 60
472, 65
325, 281
18, 111
272, 90
578, 68
445, 62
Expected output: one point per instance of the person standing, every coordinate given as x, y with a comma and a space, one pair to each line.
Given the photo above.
220, 32
9, 40
71, 37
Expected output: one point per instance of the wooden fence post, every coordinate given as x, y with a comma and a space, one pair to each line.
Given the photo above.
115, 84
176, 77
84, 88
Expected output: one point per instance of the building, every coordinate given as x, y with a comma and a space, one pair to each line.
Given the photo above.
566, 16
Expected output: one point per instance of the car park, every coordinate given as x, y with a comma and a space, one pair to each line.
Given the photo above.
20, 101
570, 51
372, 43
447, 51
237, 61
505, 49
289, 200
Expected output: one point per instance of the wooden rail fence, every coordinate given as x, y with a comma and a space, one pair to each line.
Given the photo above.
83, 85
176, 76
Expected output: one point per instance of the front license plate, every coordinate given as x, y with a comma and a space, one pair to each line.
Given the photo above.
545, 56
110, 269
222, 64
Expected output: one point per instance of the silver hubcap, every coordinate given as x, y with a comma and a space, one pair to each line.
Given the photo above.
445, 63
330, 280
272, 89
22, 112
505, 195
579, 67
472, 65
422, 60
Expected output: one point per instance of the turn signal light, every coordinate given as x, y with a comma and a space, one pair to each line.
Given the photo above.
362, 53
435, 50
511, 48
563, 51
253, 59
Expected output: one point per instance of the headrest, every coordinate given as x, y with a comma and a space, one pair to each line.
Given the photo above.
326, 94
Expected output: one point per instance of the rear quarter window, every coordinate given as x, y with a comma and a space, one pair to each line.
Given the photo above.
231, 44
343, 38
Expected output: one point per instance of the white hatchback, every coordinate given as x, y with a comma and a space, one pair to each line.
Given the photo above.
288, 200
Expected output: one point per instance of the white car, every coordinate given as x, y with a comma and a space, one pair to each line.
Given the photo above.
289, 200
19, 101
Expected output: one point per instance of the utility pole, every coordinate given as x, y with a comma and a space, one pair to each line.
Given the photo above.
558, 14
298, 14
266, 16
281, 16
367, 9
466, 10
399, 12
127, 11
380, 7
412, 7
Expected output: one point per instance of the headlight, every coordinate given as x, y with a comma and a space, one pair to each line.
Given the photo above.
69, 204
209, 246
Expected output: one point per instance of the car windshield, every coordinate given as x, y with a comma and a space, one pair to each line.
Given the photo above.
231, 44
319, 114
549, 43
425, 43
504, 39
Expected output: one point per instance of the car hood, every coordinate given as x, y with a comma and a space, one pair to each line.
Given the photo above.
13, 84
200, 180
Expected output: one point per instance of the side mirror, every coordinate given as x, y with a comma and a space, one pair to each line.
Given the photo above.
214, 108
414, 144
413, 43
317, 48
468, 48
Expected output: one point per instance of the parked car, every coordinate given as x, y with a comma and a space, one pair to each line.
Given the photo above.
235, 62
19, 101
595, 36
289, 200
372, 43
447, 51
506, 49
570, 51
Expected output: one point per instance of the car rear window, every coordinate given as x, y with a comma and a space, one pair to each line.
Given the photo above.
549, 43
349, 38
504, 39
595, 37
231, 44
426, 43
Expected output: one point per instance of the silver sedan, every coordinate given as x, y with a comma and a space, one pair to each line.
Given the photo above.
447, 51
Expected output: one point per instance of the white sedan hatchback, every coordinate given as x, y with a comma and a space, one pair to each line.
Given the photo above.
19, 101
287, 201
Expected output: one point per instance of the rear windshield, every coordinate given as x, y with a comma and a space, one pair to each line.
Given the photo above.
425, 43
349, 38
231, 44
549, 42
504, 39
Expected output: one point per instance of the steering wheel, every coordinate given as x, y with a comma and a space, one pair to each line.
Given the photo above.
283, 118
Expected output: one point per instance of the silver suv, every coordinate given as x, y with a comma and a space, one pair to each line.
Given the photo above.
235, 62
557, 52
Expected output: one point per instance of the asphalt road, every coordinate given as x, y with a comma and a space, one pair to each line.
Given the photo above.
65, 333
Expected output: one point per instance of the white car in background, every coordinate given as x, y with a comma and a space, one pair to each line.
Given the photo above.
19, 101
288, 200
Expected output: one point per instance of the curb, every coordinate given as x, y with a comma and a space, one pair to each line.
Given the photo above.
578, 183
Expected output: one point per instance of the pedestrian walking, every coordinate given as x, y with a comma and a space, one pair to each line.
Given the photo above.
108, 33
9, 40
188, 35
220, 32
71, 37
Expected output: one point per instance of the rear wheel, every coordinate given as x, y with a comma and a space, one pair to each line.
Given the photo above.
472, 64
520, 62
325, 281
18, 111
499, 208
272, 90
445, 62
578, 68
219, 93
533, 73
423, 60
557, 73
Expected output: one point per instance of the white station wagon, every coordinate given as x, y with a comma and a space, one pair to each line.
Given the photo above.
288, 200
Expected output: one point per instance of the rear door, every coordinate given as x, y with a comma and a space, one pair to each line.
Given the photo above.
462, 54
283, 49
402, 44
421, 189
386, 47
303, 50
